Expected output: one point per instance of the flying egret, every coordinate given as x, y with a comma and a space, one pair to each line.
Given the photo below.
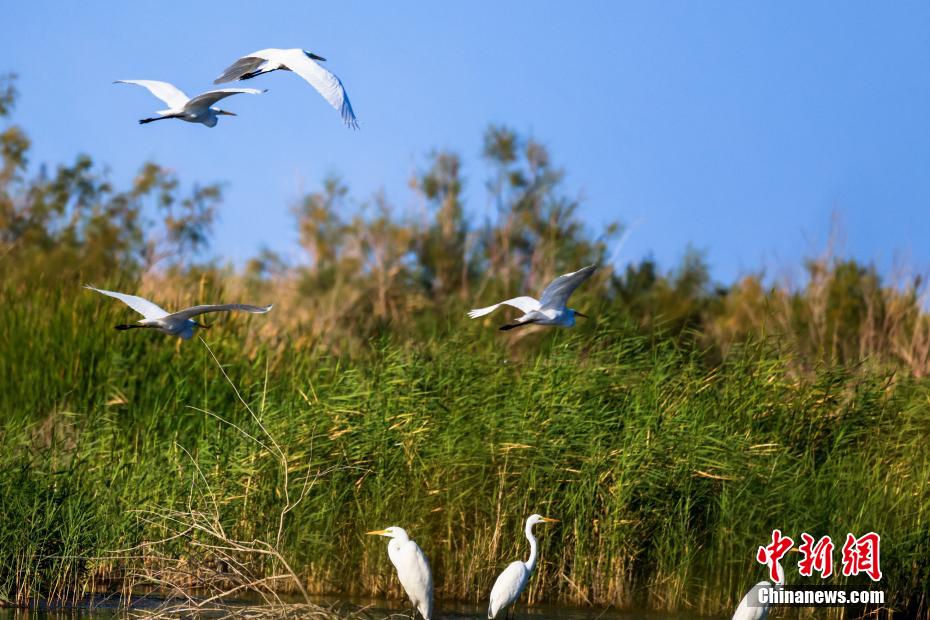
412, 569
301, 62
174, 323
550, 309
196, 110
750, 608
513, 580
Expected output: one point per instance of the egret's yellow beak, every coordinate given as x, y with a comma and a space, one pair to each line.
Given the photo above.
548, 520
378, 533
227, 113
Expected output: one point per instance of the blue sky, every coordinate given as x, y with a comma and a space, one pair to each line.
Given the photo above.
738, 128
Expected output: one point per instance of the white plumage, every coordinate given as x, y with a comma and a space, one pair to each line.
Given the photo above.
301, 62
512, 581
749, 608
179, 323
198, 109
550, 309
412, 569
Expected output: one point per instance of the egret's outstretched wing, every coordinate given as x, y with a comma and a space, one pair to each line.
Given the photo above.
559, 290
169, 93
324, 81
141, 305
526, 304
210, 97
243, 66
196, 310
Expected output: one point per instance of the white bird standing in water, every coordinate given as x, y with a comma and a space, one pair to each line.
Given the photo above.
173, 323
301, 62
196, 110
750, 608
412, 569
551, 307
513, 580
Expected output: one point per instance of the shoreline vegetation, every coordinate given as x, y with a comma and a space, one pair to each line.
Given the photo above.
670, 433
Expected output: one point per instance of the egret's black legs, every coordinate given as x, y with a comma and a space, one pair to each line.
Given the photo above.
158, 118
251, 74
125, 327
510, 326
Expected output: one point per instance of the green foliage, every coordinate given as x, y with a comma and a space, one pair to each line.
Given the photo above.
670, 434
73, 222
667, 473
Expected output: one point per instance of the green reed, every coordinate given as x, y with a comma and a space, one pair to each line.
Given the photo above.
667, 471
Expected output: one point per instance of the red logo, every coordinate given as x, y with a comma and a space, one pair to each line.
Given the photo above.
775, 551
817, 557
860, 555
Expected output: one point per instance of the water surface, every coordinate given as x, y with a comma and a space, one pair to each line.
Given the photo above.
375, 609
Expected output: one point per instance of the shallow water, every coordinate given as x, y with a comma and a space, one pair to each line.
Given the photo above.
376, 609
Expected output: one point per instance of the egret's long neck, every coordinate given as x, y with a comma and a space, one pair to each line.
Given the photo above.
781, 574
531, 562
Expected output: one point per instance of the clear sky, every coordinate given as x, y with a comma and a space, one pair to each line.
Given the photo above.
737, 127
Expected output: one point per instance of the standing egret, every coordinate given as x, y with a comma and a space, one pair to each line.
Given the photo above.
751, 608
173, 323
550, 309
301, 62
196, 110
513, 580
412, 569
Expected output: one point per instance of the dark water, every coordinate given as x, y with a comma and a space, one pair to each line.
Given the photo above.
104, 609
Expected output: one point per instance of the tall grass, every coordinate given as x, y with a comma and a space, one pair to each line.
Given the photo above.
666, 471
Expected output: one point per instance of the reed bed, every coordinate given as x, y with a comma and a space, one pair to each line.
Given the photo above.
666, 469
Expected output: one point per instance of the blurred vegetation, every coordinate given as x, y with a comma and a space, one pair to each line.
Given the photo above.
671, 434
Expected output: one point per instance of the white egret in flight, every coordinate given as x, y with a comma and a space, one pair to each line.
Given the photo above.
301, 62
173, 323
196, 110
412, 569
550, 309
513, 580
